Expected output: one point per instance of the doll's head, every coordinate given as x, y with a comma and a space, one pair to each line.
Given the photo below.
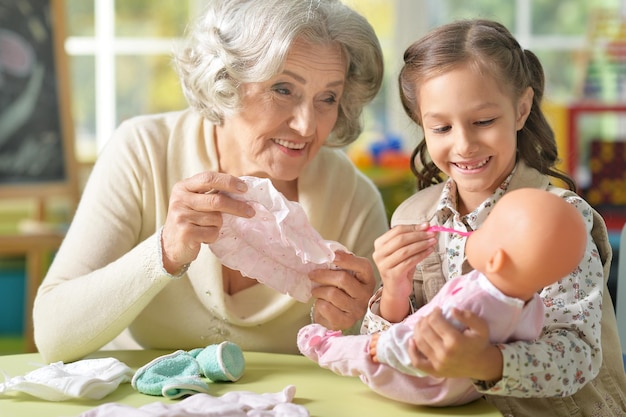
531, 238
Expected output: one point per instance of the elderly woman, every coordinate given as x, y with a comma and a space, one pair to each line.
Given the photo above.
274, 92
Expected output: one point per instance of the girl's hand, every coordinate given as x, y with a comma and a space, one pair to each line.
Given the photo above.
194, 215
342, 295
441, 350
396, 254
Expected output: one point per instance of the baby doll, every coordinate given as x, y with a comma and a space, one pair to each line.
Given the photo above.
531, 239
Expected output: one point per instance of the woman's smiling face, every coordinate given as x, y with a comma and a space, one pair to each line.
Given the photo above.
283, 122
470, 126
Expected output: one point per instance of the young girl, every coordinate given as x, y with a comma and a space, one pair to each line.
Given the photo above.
546, 242
476, 94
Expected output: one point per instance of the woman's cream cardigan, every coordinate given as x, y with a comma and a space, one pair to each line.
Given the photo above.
107, 276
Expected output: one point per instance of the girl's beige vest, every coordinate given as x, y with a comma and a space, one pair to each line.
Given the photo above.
605, 396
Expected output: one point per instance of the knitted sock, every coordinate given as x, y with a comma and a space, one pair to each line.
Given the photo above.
221, 362
173, 376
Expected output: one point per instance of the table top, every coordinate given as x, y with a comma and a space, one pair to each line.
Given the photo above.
319, 390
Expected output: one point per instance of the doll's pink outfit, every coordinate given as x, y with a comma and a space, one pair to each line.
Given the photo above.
509, 319
278, 246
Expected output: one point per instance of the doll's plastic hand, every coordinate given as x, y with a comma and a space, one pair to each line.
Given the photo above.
342, 295
372, 347
194, 215
396, 253
444, 351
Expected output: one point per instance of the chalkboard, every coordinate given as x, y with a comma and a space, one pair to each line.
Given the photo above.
36, 134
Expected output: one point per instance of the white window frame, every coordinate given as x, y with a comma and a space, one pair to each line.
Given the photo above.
411, 23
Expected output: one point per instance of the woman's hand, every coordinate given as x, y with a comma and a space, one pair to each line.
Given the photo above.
441, 350
194, 215
396, 253
342, 295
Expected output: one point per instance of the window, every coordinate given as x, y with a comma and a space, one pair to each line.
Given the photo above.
559, 32
120, 53
120, 63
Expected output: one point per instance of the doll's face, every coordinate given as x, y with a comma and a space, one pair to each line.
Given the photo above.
475, 251
541, 233
487, 239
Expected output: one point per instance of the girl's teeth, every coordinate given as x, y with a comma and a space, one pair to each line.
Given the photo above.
481, 164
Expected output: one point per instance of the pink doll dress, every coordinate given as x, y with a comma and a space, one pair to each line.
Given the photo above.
394, 377
278, 246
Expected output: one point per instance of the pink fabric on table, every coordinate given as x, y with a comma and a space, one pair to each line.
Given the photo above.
278, 246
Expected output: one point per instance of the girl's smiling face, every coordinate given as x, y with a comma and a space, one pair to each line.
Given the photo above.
470, 125
283, 122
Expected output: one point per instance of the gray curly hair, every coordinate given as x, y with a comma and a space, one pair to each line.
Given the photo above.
240, 41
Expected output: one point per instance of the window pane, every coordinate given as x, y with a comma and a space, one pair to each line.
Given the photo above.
381, 15
82, 82
151, 18
565, 17
562, 74
444, 11
80, 18
146, 84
